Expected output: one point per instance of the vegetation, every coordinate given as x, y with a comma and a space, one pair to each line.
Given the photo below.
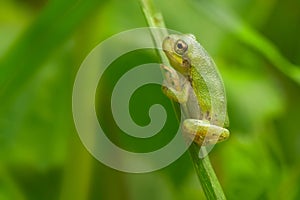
42, 44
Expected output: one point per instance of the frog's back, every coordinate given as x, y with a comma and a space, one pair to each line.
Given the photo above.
208, 85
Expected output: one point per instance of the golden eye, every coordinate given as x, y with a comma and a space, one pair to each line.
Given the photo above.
180, 47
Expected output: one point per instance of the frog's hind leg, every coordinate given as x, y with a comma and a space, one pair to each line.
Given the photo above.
204, 133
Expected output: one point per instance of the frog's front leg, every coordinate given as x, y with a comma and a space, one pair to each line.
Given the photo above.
174, 86
200, 131
204, 133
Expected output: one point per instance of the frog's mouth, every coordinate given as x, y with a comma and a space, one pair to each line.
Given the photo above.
175, 59
177, 62
168, 48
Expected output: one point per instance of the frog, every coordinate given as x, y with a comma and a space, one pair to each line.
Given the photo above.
194, 81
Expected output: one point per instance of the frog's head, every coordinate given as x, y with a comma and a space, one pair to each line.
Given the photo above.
178, 49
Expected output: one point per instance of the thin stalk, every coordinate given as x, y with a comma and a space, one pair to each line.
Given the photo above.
203, 167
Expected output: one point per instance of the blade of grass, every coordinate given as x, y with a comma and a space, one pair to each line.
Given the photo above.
226, 19
203, 167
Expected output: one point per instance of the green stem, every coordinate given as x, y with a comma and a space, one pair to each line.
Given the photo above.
203, 167
155, 19
206, 174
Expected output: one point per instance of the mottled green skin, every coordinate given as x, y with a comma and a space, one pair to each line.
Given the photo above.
199, 69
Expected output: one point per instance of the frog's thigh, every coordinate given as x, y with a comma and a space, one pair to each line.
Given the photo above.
200, 131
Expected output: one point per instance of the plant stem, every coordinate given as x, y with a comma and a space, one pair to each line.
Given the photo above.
206, 174
155, 19
203, 167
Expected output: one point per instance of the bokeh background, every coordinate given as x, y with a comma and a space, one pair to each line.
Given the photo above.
255, 44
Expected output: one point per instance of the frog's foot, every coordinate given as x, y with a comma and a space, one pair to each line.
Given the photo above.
175, 87
204, 133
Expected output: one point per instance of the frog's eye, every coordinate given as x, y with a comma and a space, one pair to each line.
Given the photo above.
180, 47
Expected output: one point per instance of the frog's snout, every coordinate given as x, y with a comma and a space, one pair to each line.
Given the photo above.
166, 44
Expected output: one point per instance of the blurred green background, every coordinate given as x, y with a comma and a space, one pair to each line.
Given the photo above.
255, 44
